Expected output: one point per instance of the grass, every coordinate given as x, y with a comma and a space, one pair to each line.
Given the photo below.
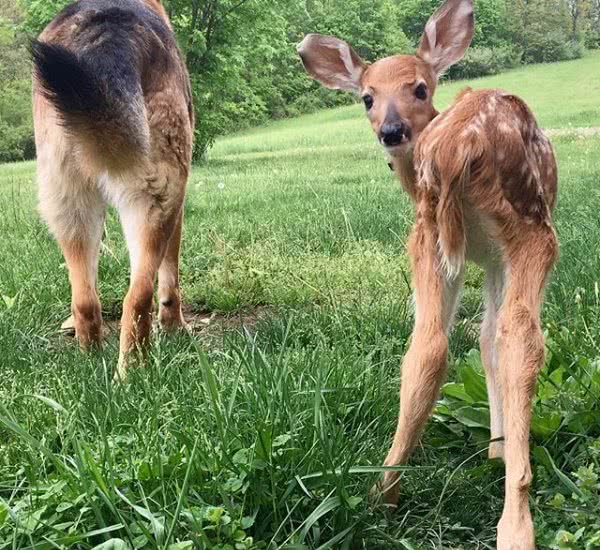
268, 427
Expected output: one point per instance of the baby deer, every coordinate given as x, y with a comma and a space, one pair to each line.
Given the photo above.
483, 179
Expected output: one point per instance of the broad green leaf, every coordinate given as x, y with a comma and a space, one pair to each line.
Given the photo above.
585, 421
233, 485
545, 425
247, 522
473, 417
472, 378
457, 391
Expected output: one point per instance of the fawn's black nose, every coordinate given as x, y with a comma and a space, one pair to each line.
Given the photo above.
394, 134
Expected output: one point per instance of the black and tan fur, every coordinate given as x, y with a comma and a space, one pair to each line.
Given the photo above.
114, 126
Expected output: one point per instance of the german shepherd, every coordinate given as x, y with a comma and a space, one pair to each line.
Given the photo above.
114, 123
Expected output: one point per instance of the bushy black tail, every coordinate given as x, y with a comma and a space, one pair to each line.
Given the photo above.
67, 81
99, 100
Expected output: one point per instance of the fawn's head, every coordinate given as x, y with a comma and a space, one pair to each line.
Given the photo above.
398, 90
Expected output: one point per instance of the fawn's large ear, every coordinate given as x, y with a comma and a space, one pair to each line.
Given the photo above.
448, 34
332, 62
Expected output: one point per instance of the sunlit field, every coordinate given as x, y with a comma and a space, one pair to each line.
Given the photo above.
266, 427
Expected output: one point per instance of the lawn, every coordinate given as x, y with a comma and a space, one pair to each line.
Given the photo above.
267, 426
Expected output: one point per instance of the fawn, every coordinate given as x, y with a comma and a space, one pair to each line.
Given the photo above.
114, 125
483, 179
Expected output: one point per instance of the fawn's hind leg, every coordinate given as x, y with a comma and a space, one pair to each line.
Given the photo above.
170, 314
521, 356
425, 363
74, 210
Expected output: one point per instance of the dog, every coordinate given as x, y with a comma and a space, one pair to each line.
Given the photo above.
114, 121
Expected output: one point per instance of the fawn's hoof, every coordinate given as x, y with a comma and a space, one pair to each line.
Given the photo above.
386, 492
496, 450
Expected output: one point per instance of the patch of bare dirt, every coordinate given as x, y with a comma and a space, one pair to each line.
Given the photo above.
202, 322
206, 325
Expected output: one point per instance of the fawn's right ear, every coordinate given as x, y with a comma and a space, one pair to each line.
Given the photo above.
332, 62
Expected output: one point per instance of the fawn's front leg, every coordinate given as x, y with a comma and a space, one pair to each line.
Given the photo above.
494, 295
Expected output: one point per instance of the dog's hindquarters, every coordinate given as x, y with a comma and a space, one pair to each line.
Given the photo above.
93, 81
113, 120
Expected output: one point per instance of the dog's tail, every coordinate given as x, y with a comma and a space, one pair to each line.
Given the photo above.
99, 100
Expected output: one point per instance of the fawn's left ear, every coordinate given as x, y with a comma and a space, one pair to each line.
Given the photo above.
448, 34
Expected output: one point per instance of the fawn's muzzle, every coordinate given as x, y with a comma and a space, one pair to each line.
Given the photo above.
394, 134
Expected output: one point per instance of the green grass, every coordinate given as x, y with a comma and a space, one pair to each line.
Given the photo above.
271, 432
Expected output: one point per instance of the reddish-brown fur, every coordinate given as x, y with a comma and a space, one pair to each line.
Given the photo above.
483, 179
85, 163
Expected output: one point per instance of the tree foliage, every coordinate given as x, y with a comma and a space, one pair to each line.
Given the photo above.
16, 129
242, 57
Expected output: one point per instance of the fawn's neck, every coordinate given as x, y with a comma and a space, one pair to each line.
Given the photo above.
404, 168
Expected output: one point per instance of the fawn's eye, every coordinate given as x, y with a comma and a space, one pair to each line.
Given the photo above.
368, 101
421, 91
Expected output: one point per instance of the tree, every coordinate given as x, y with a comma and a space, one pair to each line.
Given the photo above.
227, 46
542, 28
16, 128
38, 13
579, 10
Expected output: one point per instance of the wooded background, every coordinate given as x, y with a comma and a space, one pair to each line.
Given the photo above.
242, 58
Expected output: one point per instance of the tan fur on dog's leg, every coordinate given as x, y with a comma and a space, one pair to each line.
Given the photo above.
87, 314
170, 314
147, 232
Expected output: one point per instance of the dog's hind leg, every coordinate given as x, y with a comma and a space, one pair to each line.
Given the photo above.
74, 210
150, 220
170, 314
